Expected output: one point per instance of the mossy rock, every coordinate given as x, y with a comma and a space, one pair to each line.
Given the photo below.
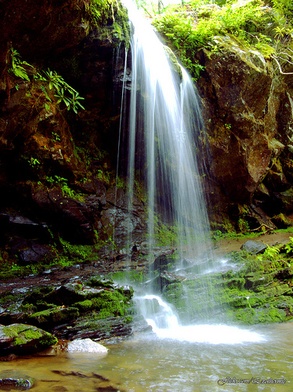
236, 282
107, 302
277, 290
54, 308
248, 295
23, 338
254, 280
260, 315
85, 306
174, 293
99, 281
97, 329
38, 294
111, 303
54, 316
66, 294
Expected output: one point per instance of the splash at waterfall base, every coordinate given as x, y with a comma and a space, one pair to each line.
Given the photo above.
242, 289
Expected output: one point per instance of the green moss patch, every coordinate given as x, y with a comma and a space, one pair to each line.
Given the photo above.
258, 290
24, 338
54, 316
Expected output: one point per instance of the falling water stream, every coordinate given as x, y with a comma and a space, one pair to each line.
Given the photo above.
164, 125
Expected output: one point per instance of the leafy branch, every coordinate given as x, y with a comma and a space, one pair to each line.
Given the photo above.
63, 92
17, 66
52, 81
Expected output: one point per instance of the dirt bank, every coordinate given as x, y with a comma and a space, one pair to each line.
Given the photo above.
227, 245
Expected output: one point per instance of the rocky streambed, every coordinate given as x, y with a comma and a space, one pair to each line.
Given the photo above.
40, 315
84, 302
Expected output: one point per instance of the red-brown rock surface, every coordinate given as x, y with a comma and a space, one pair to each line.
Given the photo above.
248, 116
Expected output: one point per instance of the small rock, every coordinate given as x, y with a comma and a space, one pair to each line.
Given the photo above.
86, 346
254, 247
13, 380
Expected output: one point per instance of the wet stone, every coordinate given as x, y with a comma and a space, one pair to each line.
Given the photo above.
254, 247
13, 380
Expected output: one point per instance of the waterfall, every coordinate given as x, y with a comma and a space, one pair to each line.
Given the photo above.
164, 125
163, 128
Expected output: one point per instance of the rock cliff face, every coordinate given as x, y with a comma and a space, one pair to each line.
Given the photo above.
247, 106
57, 166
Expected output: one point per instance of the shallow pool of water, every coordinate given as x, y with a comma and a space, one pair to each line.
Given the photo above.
148, 363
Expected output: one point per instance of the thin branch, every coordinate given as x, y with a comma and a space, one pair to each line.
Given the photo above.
280, 68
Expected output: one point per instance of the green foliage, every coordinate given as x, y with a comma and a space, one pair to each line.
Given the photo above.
15, 269
56, 137
51, 81
18, 67
80, 252
285, 7
104, 176
63, 92
133, 277
120, 183
199, 25
243, 225
217, 235
289, 247
165, 235
270, 253
33, 162
194, 67
65, 188
100, 11
69, 255
110, 19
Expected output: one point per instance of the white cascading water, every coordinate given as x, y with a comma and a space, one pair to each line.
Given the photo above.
164, 322
158, 314
165, 121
